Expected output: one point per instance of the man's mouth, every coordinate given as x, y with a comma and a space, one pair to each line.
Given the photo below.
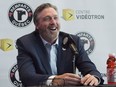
53, 29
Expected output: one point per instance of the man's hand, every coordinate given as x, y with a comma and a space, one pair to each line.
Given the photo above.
67, 79
90, 80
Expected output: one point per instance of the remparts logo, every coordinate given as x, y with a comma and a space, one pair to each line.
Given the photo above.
87, 40
68, 14
14, 76
20, 14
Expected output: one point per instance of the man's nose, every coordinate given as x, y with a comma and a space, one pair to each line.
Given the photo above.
52, 21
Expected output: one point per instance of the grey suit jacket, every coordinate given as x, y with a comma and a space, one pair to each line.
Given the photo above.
33, 60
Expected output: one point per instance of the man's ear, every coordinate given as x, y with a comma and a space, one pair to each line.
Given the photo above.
36, 26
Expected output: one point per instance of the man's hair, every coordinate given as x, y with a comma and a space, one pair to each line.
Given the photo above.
41, 8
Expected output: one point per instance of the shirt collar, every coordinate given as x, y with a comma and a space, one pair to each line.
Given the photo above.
45, 42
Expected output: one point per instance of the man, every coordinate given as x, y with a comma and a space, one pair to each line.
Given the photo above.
42, 57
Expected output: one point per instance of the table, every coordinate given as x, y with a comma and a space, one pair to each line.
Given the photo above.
105, 85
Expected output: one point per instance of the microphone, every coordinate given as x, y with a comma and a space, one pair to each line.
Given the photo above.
69, 42
65, 43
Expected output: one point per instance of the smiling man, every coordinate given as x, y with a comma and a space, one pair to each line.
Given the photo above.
47, 24
42, 60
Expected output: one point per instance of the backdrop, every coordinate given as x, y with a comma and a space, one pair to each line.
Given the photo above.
92, 20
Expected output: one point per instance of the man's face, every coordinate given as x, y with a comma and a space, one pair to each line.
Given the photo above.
48, 24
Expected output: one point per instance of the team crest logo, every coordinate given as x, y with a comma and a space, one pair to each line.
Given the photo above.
14, 76
20, 15
87, 40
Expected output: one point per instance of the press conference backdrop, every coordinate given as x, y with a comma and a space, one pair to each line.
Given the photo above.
94, 21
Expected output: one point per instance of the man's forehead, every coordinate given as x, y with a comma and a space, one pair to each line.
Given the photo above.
48, 12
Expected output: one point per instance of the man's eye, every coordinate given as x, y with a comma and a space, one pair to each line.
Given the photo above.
56, 18
47, 18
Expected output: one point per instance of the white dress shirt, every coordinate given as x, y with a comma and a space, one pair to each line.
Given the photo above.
52, 52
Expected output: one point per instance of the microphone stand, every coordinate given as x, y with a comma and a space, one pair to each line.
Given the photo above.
73, 61
68, 41
75, 53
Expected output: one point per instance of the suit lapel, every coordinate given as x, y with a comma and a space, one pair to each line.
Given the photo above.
44, 58
61, 57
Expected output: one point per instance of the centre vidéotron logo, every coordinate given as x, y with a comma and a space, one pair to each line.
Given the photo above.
80, 14
6, 44
20, 14
68, 14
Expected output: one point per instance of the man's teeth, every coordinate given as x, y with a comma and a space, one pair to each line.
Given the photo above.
52, 28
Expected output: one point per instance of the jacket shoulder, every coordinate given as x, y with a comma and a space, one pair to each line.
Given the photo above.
27, 36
